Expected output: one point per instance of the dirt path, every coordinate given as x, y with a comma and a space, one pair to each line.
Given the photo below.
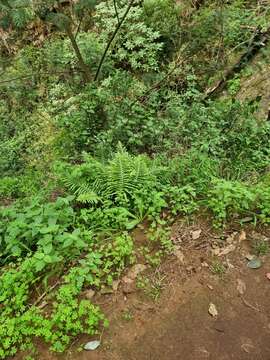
181, 328
177, 325
184, 330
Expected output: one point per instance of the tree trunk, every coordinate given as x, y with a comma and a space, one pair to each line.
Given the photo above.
83, 66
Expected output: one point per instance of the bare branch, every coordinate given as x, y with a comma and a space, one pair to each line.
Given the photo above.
112, 38
116, 11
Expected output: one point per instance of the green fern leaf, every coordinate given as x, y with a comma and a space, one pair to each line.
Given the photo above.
89, 198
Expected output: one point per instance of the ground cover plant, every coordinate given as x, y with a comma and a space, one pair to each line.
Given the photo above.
106, 123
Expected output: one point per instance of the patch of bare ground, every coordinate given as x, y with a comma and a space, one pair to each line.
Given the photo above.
170, 315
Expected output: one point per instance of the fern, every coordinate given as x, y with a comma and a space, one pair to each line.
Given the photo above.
117, 180
88, 198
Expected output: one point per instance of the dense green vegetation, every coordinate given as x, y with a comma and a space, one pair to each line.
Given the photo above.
93, 143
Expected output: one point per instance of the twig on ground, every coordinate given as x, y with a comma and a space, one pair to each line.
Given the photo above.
45, 293
249, 305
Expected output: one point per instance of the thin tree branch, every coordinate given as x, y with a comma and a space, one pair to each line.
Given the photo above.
46, 292
112, 38
84, 67
79, 27
256, 43
116, 11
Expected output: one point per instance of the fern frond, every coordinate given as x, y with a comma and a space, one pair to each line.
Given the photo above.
120, 178
140, 170
89, 198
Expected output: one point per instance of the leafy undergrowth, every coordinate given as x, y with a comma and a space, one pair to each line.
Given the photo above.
83, 239
91, 149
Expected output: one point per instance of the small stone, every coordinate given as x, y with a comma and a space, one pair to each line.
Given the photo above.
254, 264
210, 287
202, 353
213, 310
92, 345
189, 269
204, 264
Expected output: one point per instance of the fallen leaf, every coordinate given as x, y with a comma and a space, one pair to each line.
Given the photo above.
127, 280
241, 286
247, 347
242, 236
210, 287
249, 257
136, 270
247, 219
180, 256
92, 345
196, 234
213, 310
225, 251
258, 236
89, 294
230, 239
229, 264
204, 354
115, 285
254, 264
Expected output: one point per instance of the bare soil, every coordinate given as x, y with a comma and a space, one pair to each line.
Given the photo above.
177, 324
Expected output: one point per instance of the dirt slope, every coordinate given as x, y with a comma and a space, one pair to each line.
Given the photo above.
178, 326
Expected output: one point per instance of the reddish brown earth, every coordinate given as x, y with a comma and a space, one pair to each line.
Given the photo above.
178, 325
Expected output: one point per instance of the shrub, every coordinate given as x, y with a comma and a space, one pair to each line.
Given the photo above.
42, 230
137, 45
227, 197
163, 16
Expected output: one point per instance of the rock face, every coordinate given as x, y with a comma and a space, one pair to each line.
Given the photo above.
257, 85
